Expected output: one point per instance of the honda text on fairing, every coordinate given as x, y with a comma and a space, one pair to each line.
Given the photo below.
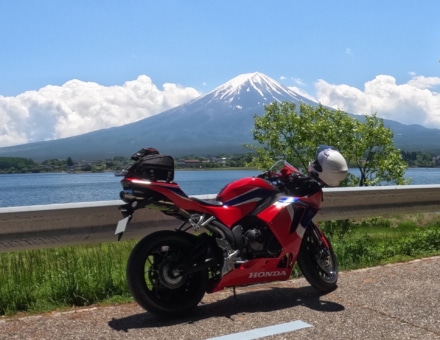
254, 232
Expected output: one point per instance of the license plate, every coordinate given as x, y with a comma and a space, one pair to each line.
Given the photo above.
122, 225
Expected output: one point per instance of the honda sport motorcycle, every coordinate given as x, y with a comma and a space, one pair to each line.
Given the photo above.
254, 232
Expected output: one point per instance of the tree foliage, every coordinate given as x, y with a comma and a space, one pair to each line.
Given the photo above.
17, 164
69, 161
295, 132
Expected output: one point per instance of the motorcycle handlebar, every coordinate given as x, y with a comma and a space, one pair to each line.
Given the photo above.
295, 184
270, 176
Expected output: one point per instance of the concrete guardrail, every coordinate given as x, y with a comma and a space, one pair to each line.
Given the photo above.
53, 225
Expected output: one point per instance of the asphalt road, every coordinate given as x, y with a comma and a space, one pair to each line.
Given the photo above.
400, 301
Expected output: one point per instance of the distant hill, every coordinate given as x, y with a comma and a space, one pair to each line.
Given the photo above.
218, 122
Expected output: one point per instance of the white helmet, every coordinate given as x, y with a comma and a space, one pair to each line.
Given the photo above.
329, 166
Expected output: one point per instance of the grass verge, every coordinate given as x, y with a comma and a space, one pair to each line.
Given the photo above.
377, 241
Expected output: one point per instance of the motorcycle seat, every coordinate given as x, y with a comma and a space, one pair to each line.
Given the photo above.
207, 203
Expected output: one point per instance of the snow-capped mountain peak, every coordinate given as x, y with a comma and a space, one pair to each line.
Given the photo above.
253, 84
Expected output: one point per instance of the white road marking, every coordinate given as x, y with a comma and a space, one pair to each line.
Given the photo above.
265, 331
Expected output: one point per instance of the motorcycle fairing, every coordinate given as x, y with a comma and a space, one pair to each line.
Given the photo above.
257, 271
244, 186
229, 213
287, 218
251, 196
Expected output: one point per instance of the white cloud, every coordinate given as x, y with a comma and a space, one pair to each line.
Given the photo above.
299, 82
302, 93
299, 90
348, 51
415, 102
78, 107
424, 82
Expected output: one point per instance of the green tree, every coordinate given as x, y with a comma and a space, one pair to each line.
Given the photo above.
375, 155
69, 161
294, 133
424, 159
16, 164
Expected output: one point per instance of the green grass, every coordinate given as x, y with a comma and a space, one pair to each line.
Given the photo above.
37, 281
42, 280
378, 241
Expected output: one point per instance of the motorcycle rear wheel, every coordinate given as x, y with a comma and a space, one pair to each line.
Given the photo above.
317, 261
156, 277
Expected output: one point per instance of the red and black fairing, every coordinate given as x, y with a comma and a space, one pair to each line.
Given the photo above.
287, 219
235, 200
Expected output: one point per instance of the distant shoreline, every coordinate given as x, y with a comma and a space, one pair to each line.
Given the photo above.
176, 169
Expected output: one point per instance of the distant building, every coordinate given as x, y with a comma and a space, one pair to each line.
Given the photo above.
189, 163
436, 160
222, 161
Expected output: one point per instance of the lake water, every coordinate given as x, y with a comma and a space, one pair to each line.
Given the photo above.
48, 188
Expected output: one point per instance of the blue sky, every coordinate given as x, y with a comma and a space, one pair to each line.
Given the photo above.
339, 52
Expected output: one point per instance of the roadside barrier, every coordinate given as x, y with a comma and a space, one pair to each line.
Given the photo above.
53, 225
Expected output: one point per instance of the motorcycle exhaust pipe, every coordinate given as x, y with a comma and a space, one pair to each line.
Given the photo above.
206, 265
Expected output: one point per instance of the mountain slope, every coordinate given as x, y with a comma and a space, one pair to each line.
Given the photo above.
218, 122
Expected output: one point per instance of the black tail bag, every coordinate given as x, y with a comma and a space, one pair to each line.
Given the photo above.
152, 166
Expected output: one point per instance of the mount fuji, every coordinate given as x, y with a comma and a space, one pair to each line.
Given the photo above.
218, 122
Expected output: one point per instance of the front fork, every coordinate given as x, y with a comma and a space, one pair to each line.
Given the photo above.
322, 252
319, 235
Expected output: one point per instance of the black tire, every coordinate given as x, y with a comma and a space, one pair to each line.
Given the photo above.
317, 261
155, 279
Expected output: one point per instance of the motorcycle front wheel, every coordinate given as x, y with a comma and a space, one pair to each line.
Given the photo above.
317, 260
156, 275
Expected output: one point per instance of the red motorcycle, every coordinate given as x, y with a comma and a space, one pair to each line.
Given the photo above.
254, 232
